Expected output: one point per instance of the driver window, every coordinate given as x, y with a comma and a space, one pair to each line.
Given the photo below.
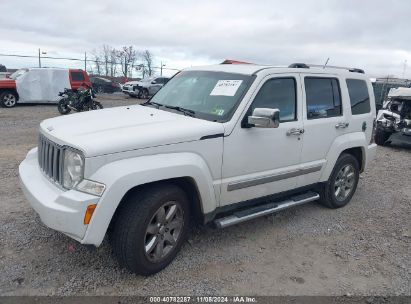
278, 93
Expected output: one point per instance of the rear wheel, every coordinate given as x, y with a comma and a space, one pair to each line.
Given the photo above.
8, 99
100, 90
381, 136
97, 105
62, 107
150, 228
340, 187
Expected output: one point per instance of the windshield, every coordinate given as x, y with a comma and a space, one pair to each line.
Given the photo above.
18, 73
210, 95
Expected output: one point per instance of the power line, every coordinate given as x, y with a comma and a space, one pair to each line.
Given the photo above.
82, 60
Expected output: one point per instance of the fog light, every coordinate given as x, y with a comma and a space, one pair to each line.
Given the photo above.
89, 213
91, 187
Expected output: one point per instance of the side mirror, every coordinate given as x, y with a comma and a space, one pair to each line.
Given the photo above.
153, 82
265, 118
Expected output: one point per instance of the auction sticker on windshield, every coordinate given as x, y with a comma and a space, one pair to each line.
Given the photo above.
226, 87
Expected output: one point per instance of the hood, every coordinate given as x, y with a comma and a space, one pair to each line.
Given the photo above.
125, 128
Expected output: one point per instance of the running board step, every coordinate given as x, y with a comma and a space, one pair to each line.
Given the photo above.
254, 212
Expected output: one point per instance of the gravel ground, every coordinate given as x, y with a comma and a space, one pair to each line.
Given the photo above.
362, 249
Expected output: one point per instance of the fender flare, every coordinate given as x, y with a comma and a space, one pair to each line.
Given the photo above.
341, 143
123, 175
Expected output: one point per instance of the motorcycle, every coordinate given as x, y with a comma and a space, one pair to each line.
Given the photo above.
79, 100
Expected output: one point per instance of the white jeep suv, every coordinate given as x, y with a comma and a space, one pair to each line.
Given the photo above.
218, 144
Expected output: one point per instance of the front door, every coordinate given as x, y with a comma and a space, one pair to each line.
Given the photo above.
262, 161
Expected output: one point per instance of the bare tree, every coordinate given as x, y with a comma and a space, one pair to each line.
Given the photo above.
127, 57
147, 57
97, 61
113, 62
106, 56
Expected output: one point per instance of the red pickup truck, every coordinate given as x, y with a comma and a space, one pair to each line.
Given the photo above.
39, 85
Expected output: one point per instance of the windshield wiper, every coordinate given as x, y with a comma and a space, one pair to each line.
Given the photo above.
183, 110
152, 103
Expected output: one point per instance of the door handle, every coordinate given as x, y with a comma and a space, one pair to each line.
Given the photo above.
342, 125
295, 131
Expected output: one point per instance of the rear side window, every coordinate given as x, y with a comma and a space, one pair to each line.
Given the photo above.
359, 97
278, 93
77, 76
323, 97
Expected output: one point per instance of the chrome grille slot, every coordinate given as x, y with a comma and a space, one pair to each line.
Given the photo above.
50, 158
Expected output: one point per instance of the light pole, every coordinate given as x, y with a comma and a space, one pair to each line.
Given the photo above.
161, 68
44, 53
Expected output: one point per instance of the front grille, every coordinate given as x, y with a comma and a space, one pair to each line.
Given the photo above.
50, 157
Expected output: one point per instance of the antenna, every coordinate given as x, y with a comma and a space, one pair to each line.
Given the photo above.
325, 64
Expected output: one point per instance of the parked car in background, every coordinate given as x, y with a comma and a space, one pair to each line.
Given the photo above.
103, 85
39, 85
148, 87
128, 87
3, 72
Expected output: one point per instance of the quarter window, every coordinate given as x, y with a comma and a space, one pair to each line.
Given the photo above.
359, 98
323, 97
278, 93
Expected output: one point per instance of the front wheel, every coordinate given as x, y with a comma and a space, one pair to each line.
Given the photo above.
143, 94
342, 183
62, 107
150, 228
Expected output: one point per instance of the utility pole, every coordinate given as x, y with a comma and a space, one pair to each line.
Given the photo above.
161, 68
39, 59
85, 61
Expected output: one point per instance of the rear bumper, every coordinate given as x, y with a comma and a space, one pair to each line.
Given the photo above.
58, 209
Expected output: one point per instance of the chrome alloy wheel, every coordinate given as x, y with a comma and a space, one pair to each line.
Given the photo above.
163, 231
344, 182
9, 100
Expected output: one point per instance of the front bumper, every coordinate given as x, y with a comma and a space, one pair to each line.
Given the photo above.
61, 210
400, 138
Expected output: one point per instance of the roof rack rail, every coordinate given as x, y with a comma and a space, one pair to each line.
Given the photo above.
307, 66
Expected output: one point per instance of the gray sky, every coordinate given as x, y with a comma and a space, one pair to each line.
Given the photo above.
374, 35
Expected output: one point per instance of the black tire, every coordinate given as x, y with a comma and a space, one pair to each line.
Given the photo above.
97, 105
62, 107
129, 236
8, 99
143, 94
381, 136
328, 190
100, 90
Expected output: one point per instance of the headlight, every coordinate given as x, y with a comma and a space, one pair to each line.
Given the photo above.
73, 168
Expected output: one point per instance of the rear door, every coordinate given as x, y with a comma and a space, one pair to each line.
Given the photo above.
325, 118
